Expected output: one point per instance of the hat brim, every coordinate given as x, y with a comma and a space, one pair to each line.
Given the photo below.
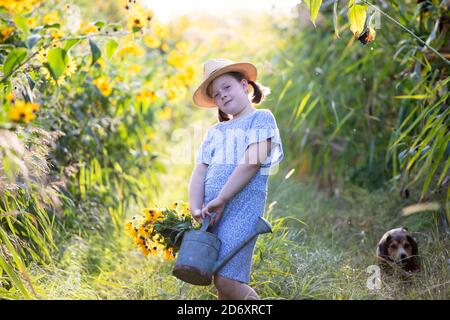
201, 97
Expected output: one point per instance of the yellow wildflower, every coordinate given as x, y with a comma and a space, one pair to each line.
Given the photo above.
34, 106
100, 62
182, 46
18, 6
71, 68
169, 254
131, 231
165, 47
165, 113
152, 215
157, 238
56, 34
51, 18
159, 29
183, 213
145, 250
147, 147
153, 248
136, 21
176, 59
46, 74
87, 28
186, 212
145, 230
10, 97
55, 43
151, 133
175, 88
138, 17
134, 68
118, 78
152, 42
139, 240
23, 112
103, 85
187, 75
5, 33
131, 48
184, 205
32, 22
149, 15
146, 96
174, 205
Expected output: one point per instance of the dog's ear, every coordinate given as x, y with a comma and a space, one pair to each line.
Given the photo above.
413, 242
383, 246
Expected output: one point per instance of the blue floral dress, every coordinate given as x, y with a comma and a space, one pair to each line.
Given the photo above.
222, 149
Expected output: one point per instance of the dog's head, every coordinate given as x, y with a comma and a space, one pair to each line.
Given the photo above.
398, 246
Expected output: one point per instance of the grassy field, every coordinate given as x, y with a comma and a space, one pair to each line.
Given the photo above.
320, 249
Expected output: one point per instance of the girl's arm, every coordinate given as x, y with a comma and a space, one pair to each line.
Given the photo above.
197, 187
256, 154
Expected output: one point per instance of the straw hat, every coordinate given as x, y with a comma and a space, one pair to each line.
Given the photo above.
217, 67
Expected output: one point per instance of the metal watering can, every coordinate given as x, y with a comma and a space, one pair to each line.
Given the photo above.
197, 257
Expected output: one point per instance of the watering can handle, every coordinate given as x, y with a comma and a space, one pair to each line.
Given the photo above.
206, 222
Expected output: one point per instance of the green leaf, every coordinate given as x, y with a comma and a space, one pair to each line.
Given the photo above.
111, 47
21, 23
313, 6
57, 61
302, 104
31, 82
413, 97
115, 26
37, 29
431, 163
335, 18
357, 18
68, 44
99, 24
32, 40
95, 51
14, 59
54, 25
13, 276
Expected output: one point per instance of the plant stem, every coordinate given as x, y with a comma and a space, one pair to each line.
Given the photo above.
409, 31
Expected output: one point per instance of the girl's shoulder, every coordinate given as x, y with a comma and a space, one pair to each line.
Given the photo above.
260, 115
265, 116
265, 112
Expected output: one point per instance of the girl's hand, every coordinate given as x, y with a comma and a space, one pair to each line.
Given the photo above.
217, 206
197, 215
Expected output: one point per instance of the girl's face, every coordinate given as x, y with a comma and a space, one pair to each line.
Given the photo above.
229, 94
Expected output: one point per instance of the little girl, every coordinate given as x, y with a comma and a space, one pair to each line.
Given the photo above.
229, 181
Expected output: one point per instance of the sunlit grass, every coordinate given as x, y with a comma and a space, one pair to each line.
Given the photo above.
320, 249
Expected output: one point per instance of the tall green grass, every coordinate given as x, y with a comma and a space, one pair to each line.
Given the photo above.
320, 249
366, 113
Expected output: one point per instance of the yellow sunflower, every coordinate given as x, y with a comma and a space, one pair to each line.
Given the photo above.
23, 112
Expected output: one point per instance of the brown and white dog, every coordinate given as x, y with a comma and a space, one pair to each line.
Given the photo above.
398, 249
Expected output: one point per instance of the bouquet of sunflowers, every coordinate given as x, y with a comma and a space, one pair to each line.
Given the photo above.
161, 230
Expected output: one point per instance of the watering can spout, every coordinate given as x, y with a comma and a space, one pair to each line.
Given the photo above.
262, 226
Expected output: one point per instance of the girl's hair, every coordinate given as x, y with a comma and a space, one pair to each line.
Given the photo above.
259, 93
